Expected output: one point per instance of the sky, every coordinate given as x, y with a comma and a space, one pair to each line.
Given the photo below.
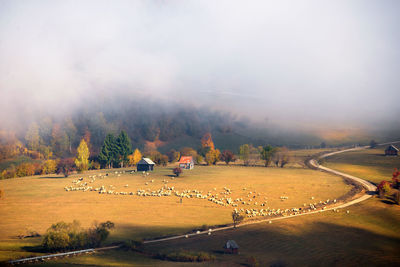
290, 62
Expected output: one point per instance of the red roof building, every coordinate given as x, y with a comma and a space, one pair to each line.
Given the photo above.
186, 162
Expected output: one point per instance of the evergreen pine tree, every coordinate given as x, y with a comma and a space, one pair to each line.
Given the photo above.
107, 152
123, 148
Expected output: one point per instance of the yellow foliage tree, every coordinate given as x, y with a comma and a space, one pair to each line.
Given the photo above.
49, 166
135, 157
82, 156
212, 156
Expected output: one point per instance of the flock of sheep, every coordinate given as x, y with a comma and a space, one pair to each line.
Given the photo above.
222, 198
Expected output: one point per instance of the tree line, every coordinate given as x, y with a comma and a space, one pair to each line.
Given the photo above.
117, 152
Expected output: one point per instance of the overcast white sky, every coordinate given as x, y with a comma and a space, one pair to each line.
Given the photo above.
283, 60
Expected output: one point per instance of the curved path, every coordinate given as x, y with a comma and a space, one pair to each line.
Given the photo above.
370, 188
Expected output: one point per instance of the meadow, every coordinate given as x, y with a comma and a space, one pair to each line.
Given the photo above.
32, 204
369, 235
369, 164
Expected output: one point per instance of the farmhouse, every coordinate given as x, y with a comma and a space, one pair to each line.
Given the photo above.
186, 163
145, 164
231, 247
391, 151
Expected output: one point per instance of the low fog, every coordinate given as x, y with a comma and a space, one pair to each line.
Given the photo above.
288, 63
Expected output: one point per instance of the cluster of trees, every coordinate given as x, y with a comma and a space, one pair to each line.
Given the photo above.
115, 150
250, 155
63, 236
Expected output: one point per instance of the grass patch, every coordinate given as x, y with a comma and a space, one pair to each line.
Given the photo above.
369, 164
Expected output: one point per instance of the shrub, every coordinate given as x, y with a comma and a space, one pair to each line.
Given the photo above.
252, 262
397, 197
61, 236
396, 179
177, 171
65, 166
10, 172
188, 256
1, 193
132, 245
383, 188
95, 165
49, 166
25, 169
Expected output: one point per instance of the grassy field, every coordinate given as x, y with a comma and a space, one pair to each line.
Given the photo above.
369, 235
369, 164
34, 203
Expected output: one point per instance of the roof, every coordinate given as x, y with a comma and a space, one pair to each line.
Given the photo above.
231, 244
146, 161
392, 147
186, 159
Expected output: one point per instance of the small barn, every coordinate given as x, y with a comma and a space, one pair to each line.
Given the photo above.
391, 151
145, 164
231, 247
186, 162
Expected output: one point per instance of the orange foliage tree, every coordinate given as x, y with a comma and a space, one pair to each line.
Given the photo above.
206, 141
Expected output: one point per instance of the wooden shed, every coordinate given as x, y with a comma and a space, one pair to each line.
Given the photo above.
231, 247
391, 151
186, 162
145, 164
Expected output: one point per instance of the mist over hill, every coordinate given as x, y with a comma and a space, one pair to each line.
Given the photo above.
282, 73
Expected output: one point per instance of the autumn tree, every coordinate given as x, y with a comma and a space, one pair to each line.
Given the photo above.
135, 157
87, 136
244, 153
199, 159
282, 157
71, 132
206, 141
236, 218
59, 141
173, 155
82, 156
32, 137
65, 166
107, 152
267, 152
212, 156
164, 160
188, 151
227, 156
25, 169
49, 166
